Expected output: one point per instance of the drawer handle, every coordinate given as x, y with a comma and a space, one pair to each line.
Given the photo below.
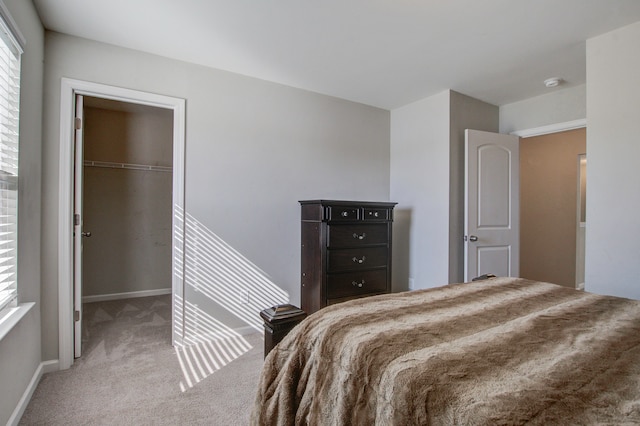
356, 260
360, 236
357, 284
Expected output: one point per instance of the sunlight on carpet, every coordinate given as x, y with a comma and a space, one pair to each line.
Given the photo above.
200, 360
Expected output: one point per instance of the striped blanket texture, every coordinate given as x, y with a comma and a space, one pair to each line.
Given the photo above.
496, 352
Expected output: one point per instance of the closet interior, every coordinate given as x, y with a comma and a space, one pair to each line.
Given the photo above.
127, 199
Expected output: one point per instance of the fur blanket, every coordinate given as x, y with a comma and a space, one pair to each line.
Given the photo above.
497, 352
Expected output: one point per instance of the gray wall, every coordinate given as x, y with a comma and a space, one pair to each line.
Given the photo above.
419, 176
253, 149
427, 180
558, 106
465, 113
20, 349
613, 150
127, 211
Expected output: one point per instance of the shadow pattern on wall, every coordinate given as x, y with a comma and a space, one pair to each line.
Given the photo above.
227, 278
222, 275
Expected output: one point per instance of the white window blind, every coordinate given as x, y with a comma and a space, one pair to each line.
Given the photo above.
10, 53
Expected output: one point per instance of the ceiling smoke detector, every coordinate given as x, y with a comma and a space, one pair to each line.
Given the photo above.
552, 82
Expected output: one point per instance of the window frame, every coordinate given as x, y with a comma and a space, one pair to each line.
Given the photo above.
12, 48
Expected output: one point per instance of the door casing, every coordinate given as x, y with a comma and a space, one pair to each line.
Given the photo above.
69, 89
78, 180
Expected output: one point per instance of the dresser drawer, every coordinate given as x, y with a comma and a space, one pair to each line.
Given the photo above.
357, 258
352, 284
380, 214
343, 213
357, 235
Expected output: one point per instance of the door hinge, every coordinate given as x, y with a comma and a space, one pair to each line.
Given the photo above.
78, 123
76, 315
76, 219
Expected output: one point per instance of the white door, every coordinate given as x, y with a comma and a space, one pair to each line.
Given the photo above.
492, 204
77, 228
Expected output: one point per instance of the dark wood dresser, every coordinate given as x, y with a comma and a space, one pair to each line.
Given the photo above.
346, 251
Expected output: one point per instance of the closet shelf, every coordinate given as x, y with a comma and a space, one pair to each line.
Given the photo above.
109, 165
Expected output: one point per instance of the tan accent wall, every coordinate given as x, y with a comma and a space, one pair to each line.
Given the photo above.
548, 206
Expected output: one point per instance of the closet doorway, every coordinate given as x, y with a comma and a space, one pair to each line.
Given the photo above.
126, 213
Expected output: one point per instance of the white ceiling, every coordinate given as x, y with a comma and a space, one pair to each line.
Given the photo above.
385, 53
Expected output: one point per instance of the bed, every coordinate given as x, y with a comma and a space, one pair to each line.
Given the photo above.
501, 351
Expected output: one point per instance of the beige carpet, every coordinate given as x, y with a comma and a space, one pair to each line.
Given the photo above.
129, 373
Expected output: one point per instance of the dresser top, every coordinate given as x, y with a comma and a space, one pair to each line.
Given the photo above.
348, 203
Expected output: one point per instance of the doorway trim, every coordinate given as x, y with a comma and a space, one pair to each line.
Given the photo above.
551, 128
69, 88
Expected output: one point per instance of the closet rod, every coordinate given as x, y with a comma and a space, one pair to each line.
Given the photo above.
128, 166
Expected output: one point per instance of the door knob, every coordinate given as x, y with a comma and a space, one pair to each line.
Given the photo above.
473, 238
86, 234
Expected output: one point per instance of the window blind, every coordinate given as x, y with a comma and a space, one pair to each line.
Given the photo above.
9, 117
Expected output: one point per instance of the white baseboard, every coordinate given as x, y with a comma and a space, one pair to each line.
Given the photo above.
44, 367
128, 295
